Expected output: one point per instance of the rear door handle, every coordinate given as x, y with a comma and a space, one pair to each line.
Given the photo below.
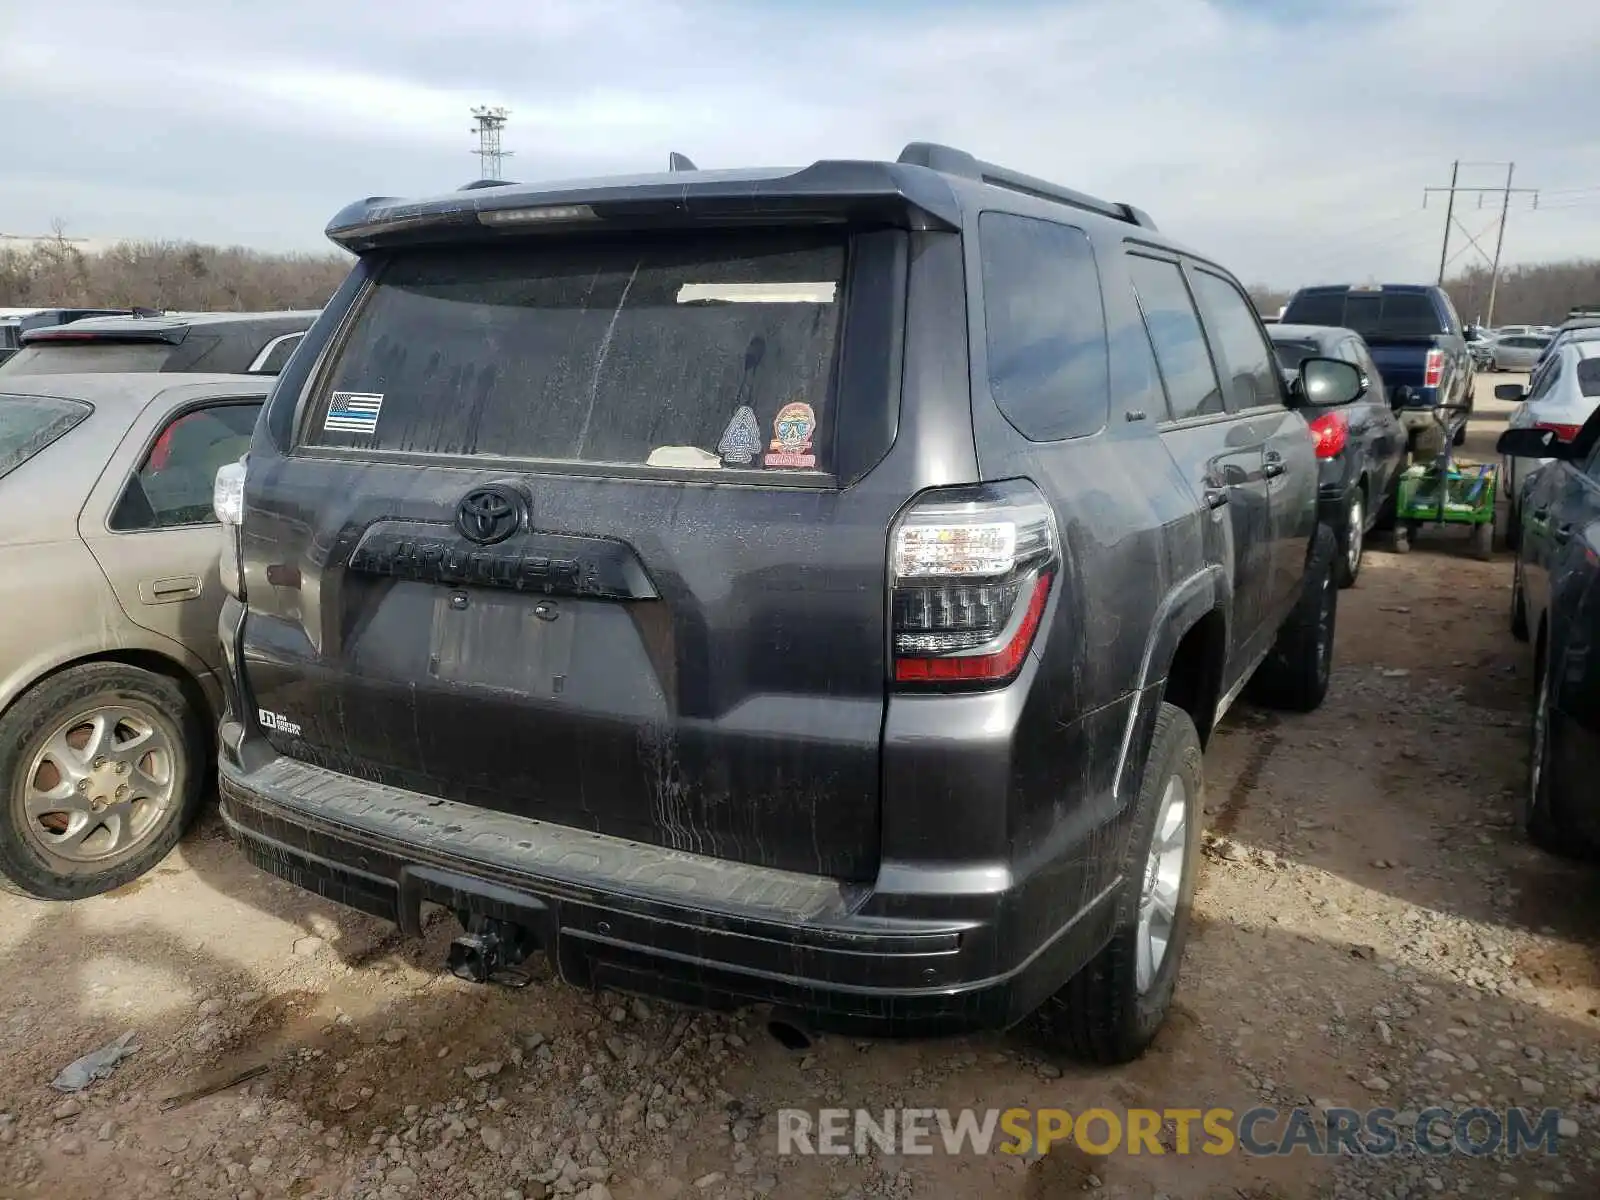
1216, 498
169, 590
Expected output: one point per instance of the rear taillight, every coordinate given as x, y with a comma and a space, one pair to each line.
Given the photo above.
1330, 431
1566, 433
1434, 371
227, 501
971, 571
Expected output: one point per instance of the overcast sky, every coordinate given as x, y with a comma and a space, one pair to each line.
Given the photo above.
1289, 138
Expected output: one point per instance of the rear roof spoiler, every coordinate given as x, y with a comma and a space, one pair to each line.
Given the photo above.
951, 161
915, 191
172, 335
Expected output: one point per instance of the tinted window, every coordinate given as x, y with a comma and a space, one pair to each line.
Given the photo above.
673, 352
1253, 379
1315, 308
1292, 354
1046, 326
1589, 376
1374, 315
87, 358
173, 486
1175, 333
278, 356
30, 423
1545, 380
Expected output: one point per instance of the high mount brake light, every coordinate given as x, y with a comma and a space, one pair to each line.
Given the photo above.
971, 576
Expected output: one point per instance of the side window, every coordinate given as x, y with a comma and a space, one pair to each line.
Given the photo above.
1237, 336
173, 486
1545, 379
1593, 469
1175, 332
276, 355
1452, 318
1045, 327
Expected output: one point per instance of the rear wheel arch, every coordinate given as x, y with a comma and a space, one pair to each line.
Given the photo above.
153, 661
1194, 673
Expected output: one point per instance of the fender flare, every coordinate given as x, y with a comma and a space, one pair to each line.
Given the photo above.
1180, 610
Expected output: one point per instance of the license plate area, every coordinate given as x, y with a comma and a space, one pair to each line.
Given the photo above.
509, 642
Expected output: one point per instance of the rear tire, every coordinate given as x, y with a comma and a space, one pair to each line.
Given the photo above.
1483, 541
1519, 604
136, 750
1294, 677
1551, 792
1352, 539
1111, 1010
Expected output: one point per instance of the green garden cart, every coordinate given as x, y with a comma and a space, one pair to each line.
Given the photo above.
1446, 493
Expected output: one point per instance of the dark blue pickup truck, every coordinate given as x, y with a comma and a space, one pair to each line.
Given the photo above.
1417, 342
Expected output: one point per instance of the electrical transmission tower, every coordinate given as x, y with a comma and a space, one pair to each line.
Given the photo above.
487, 124
1505, 192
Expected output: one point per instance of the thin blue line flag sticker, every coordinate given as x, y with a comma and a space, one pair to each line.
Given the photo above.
353, 412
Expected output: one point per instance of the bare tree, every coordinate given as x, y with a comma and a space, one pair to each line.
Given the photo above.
180, 275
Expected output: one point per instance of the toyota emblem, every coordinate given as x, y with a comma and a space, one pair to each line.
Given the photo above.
490, 514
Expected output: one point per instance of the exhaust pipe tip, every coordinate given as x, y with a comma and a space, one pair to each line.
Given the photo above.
788, 1028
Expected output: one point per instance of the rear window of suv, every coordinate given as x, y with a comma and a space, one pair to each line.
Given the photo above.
1374, 315
88, 358
697, 352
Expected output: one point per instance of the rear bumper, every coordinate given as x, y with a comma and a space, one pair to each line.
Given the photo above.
640, 918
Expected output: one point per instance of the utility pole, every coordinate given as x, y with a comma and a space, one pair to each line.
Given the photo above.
1499, 241
1505, 192
1449, 214
487, 124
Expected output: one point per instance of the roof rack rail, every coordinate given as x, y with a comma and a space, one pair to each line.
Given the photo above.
951, 161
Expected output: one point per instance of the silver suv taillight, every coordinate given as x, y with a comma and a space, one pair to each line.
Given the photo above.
227, 501
971, 570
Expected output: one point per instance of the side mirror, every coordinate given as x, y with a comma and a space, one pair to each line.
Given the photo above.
1533, 443
1325, 381
1513, 392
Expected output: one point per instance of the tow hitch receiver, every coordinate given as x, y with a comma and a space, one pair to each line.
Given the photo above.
491, 951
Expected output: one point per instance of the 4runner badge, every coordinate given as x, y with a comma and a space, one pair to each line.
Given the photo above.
277, 722
742, 438
793, 427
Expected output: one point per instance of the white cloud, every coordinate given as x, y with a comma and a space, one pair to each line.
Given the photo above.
1289, 140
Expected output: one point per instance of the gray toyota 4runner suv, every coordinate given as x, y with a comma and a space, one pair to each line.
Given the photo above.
811, 588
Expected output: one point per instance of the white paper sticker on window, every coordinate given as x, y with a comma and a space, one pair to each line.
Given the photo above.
757, 293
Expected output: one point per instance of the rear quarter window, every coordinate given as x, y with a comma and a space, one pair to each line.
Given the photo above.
684, 353
30, 423
1045, 327
1589, 376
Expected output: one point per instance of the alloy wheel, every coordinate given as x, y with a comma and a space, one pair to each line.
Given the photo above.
99, 786
1163, 883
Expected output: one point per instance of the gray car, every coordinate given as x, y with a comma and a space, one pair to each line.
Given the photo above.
109, 586
1516, 352
1560, 397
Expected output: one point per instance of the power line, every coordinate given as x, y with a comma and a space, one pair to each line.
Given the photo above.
1500, 236
488, 122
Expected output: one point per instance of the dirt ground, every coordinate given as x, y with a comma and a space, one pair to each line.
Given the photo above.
1372, 930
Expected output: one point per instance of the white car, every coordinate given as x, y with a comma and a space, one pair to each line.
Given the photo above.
1564, 392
